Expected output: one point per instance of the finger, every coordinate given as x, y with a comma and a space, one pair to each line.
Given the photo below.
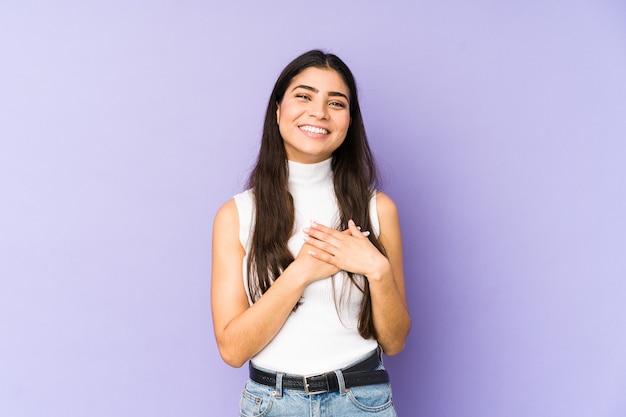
323, 233
317, 226
311, 233
324, 245
322, 256
349, 232
355, 230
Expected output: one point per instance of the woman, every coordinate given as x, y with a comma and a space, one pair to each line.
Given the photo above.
307, 277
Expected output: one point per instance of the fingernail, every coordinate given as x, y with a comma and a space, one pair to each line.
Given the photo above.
366, 233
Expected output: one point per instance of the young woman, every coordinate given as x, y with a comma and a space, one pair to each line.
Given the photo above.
307, 277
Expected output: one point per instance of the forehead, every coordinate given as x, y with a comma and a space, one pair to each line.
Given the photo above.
322, 79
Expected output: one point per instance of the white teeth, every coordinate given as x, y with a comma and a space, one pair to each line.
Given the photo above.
314, 129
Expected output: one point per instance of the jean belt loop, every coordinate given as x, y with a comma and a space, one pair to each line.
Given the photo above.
341, 382
279, 384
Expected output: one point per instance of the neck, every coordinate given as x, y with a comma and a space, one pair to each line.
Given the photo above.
308, 174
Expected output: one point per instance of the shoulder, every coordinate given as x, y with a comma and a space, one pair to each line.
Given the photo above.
226, 230
385, 206
390, 233
388, 219
230, 210
227, 214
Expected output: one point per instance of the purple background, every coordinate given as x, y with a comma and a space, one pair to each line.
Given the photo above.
500, 128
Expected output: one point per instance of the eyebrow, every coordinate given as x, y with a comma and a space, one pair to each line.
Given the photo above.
315, 90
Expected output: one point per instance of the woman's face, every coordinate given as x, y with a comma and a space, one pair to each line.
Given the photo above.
314, 115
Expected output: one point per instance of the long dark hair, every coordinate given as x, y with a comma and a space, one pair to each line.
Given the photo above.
355, 180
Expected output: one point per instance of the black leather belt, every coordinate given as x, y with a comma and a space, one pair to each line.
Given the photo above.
362, 373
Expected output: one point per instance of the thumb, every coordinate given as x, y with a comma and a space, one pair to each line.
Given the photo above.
354, 229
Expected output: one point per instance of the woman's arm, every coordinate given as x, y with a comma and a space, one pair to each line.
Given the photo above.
242, 330
391, 314
355, 253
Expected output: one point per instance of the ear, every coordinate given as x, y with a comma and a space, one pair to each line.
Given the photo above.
278, 113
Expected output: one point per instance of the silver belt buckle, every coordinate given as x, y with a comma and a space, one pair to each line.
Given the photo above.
305, 380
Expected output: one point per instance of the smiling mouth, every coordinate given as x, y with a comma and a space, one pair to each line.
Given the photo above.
313, 129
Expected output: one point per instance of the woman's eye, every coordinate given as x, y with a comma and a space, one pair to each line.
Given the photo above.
303, 96
337, 104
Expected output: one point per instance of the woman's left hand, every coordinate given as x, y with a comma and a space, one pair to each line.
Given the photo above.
349, 250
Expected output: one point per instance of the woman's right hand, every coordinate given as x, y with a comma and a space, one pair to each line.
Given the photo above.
310, 268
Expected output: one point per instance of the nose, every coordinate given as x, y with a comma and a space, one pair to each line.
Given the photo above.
318, 110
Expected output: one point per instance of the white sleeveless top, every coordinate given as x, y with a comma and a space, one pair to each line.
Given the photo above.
322, 334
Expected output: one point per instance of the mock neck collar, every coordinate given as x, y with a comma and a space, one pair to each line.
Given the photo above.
307, 174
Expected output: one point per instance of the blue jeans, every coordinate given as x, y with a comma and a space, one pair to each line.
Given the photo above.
259, 400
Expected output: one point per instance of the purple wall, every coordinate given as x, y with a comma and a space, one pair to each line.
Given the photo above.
501, 131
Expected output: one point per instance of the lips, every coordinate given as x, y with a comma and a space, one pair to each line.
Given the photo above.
313, 129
